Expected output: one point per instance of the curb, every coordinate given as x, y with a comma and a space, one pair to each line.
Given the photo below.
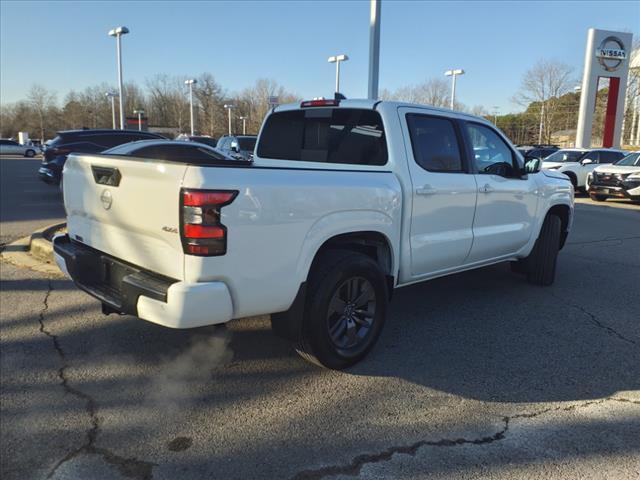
40, 244
35, 251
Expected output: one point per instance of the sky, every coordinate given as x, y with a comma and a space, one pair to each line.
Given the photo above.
64, 45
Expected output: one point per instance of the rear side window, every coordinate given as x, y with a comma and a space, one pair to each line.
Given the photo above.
329, 135
610, 157
435, 143
179, 153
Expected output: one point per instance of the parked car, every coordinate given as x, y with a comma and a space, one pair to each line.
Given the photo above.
212, 142
620, 180
577, 163
530, 152
83, 141
345, 200
238, 146
11, 147
170, 151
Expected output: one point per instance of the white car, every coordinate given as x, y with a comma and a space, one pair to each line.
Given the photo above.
577, 163
620, 180
344, 201
11, 147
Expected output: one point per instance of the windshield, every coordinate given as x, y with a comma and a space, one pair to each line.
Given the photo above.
631, 160
565, 156
247, 144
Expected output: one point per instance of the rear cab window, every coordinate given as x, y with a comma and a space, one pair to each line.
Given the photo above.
347, 136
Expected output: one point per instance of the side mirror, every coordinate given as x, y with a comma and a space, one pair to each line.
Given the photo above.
586, 161
533, 165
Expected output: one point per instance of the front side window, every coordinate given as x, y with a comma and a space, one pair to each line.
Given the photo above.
490, 152
247, 144
328, 135
435, 143
593, 156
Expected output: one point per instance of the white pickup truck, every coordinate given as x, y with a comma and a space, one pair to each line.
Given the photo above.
344, 201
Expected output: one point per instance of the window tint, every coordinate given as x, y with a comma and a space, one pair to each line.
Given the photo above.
330, 135
593, 155
491, 154
610, 157
435, 144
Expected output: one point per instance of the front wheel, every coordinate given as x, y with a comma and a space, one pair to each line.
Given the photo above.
345, 309
541, 263
30, 153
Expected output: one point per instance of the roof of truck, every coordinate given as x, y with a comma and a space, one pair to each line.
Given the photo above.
365, 103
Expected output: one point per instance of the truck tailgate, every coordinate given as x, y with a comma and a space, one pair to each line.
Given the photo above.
128, 208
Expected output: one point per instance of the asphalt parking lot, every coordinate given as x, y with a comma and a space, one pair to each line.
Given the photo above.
478, 375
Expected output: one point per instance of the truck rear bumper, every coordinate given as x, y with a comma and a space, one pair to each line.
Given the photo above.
127, 289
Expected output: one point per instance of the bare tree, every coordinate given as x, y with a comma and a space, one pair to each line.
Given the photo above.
543, 84
42, 100
433, 91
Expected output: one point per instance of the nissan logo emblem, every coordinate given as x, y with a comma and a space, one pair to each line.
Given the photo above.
106, 199
611, 53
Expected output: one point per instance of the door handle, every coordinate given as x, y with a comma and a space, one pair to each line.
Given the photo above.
426, 190
486, 188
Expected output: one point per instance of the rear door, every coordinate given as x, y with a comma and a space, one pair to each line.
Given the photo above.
444, 193
507, 201
128, 208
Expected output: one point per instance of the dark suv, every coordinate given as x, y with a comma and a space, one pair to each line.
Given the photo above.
530, 152
238, 145
83, 141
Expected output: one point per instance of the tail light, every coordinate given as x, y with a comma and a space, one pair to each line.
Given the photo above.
320, 103
201, 231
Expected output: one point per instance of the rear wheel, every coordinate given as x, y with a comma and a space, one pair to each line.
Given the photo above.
345, 309
598, 198
541, 263
30, 153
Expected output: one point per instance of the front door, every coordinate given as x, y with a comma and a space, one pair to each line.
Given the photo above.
444, 193
507, 200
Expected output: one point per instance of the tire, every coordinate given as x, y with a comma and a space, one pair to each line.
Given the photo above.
598, 198
574, 180
30, 153
339, 280
542, 261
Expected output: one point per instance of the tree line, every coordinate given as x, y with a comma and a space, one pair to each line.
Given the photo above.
547, 96
164, 99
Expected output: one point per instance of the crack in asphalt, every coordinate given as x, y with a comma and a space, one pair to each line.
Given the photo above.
129, 467
596, 322
607, 239
354, 467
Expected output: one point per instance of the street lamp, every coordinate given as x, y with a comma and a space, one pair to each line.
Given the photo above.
229, 106
337, 59
112, 96
453, 74
139, 113
191, 82
118, 32
244, 125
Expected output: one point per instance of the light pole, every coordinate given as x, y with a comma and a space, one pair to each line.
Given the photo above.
374, 49
337, 59
118, 32
112, 96
191, 82
229, 106
244, 125
495, 115
139, 113
453, 73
